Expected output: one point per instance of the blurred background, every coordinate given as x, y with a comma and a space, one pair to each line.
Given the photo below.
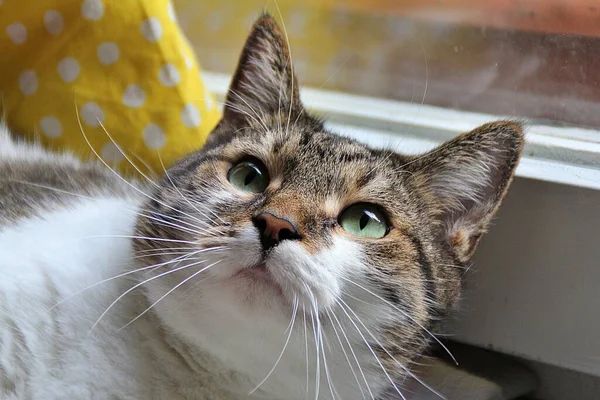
531, 58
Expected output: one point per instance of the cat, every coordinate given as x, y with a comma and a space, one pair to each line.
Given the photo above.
281, 260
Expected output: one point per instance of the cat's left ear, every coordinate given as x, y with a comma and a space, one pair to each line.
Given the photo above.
466, 180
264, 82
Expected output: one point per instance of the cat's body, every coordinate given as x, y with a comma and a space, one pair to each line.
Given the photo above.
52, 244
55, 242
59, 236
239, 286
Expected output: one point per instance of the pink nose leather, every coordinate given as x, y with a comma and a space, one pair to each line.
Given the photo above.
274, 229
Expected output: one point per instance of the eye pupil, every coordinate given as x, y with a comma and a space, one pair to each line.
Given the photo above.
364, 220
250, 177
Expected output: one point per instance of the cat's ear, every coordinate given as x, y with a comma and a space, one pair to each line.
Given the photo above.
467, 178
264, 82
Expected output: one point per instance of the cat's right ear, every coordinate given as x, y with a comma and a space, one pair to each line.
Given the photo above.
466, 179
264, 82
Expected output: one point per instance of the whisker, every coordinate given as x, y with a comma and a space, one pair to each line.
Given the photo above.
151, 239
291, 329
205, 229
154, 176
154, 252
314, 315
337, 70
181, 194
345, 353
125, 155
341, 304
136, 211
137, 286
289, 48
305, 346
426, 86
354, 355
160, 221
405, 314
241, 110
171, 253
165, 249
175, 260
279, 128
168, 293
327, 374
118, 175
391, 356
318, 357
259, 120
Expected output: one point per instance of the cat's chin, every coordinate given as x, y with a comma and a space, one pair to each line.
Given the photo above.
256, 279
256, 283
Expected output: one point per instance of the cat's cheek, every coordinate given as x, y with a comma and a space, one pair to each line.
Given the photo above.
217, 197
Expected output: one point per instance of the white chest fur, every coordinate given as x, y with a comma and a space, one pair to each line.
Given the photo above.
47, 351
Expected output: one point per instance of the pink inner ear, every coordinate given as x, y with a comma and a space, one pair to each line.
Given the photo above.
464, 226
464, 243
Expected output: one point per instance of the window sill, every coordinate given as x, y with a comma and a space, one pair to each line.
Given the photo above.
564, 155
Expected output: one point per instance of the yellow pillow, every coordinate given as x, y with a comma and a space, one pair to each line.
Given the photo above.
120, 65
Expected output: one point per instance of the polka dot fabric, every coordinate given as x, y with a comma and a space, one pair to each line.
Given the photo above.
120, 66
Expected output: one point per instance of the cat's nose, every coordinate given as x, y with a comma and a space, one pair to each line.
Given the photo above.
274, 229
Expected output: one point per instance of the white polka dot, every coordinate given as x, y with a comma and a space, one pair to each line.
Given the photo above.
171, 11
92, 114
111, 153
68, 69
92, 9
17, 32
108, 53
208, 101
53, 21
190, 116
134, 96
169, 75
51, 126
154, 137
188, 62
151, 29
28, 82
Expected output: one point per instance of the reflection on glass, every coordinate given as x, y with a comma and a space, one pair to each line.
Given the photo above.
538, 59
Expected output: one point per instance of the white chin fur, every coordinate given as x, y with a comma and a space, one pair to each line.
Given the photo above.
315, 278
247, 332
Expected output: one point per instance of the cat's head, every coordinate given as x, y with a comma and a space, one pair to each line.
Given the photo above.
276, 217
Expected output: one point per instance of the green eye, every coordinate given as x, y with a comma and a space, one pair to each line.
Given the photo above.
249, 177
365, 220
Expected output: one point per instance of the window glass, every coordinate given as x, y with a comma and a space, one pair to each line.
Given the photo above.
538, 59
